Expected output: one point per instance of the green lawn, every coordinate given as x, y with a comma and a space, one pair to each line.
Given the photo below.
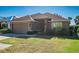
37, 45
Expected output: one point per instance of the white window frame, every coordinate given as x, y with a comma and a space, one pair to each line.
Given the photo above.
56, 24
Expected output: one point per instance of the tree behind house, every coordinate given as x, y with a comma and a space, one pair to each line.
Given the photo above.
77, 20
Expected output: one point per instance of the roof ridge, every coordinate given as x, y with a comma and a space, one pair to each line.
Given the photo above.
31, 18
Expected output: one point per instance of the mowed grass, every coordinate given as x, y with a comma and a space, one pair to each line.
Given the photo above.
41, 45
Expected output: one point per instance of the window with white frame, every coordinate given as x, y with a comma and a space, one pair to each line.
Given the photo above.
56, 24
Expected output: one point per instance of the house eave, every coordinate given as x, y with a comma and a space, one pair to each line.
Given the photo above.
60, 20
24, 21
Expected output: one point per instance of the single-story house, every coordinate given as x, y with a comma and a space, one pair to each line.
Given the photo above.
39, 22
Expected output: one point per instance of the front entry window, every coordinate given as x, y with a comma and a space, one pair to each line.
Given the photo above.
56, 24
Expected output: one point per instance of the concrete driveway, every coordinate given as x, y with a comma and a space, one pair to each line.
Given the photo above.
78, 34
14, 35
3, 46
3, 37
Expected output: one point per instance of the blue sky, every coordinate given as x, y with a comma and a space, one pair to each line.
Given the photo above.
64, 11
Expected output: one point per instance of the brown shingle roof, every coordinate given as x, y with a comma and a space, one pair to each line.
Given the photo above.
48, 15
41, 16
24, 18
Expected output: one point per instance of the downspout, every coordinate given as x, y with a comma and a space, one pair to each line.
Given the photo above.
29, 27
45, 26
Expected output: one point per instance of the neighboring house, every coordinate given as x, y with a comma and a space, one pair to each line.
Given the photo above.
3, 22
9, 19
39, 22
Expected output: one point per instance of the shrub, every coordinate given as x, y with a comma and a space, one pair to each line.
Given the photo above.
78, 30
74, 30
58, 31
31, 32
1, 27
71, 29
2, 30
77, 26
5, 31
64, 31
49, 32
8, 31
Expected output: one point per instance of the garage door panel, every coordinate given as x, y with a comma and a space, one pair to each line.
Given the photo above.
20, 27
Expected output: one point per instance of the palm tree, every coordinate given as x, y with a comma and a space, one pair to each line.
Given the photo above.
69, 18
77, 17
77, 20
